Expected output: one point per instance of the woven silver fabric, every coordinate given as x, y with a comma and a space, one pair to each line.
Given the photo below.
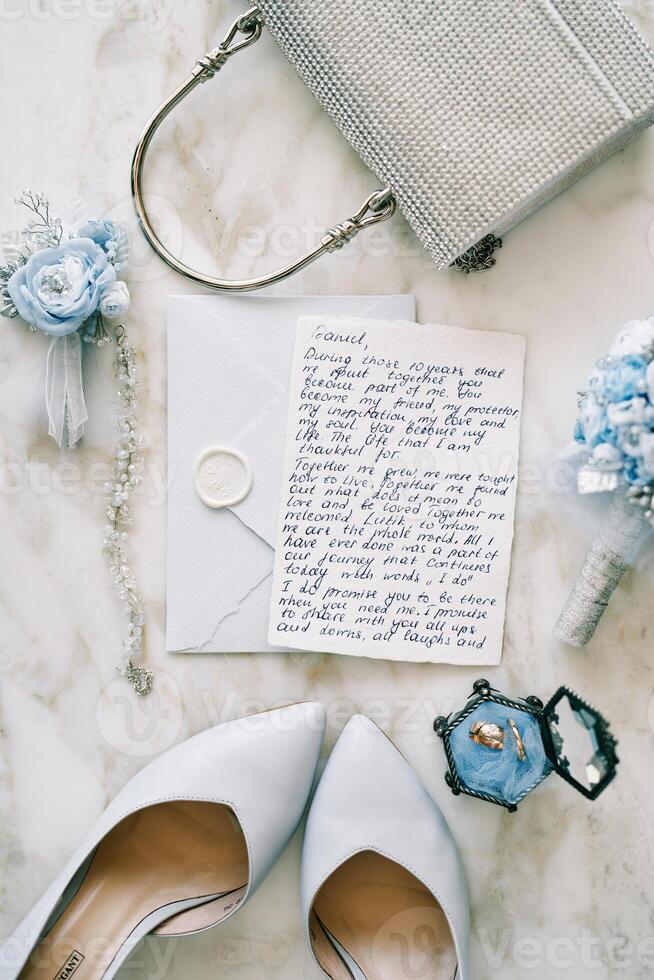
615, 548
474, 111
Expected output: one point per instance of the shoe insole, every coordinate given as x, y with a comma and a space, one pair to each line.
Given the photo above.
145, 868
373, 920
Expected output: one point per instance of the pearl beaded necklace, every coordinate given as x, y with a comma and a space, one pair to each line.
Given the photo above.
126, 477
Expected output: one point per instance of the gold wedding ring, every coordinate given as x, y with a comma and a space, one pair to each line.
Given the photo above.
488, 734
522, 755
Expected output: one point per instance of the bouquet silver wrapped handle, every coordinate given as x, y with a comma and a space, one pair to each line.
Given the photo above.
613, 551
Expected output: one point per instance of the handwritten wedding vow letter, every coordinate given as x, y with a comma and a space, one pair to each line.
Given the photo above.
398, 495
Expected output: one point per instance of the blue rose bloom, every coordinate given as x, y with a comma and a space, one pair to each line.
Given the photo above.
591, 425
59, 288
102, 232
624, 378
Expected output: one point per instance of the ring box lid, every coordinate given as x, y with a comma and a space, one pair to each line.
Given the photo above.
579, 743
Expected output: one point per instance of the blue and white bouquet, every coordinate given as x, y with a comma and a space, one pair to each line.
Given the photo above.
65, 282
614, 453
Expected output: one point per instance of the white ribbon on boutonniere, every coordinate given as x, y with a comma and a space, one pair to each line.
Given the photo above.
64, 392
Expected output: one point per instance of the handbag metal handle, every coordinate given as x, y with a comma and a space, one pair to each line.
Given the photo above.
379, 206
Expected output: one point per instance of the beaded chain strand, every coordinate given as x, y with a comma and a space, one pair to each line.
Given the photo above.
126, 477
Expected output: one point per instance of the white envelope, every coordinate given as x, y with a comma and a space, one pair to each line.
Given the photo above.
229, 366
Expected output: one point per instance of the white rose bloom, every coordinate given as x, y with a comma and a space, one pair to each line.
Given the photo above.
607, 457
632, 411
115, 301
636, 337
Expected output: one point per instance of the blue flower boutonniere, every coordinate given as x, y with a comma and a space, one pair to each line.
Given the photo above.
66, 283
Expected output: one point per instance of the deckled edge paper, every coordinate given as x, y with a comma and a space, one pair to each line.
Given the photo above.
398, 494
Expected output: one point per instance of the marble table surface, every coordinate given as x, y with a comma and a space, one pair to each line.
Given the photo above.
249, 173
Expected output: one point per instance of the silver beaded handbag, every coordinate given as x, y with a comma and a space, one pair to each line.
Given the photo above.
470, 113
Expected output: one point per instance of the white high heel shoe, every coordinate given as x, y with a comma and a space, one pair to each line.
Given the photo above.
384, 893
180, 848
